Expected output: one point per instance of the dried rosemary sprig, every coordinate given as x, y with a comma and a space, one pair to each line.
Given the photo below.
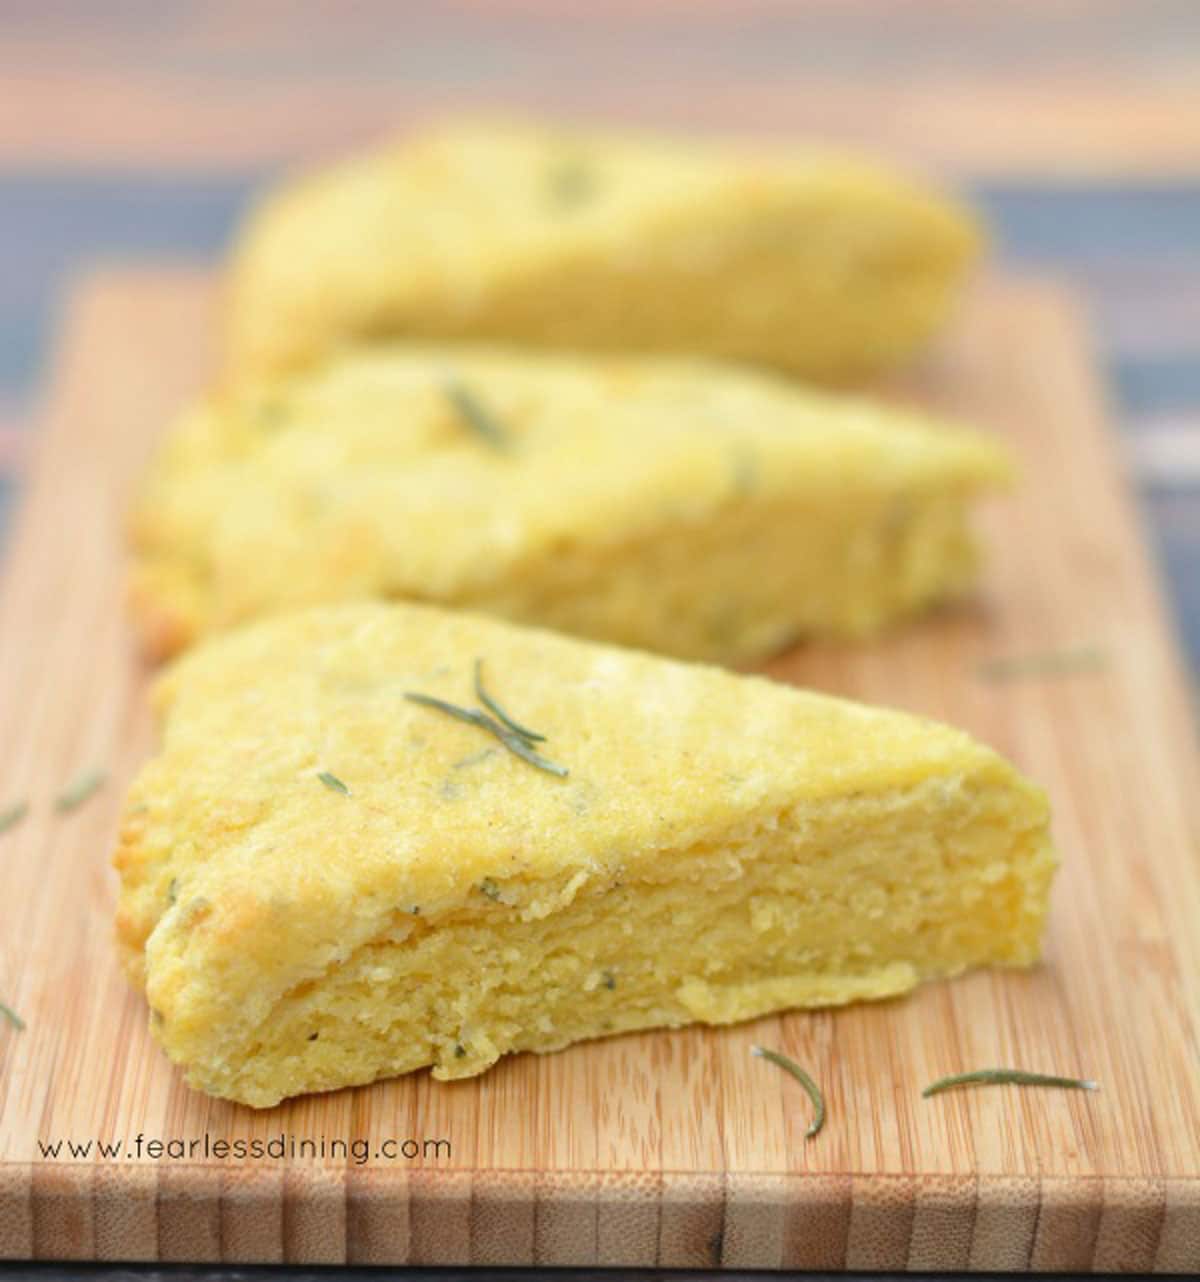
13, 1018
332, 782
811, 1089
79, 789
1048, 664
476, 415
498, 712
12, 815
517, 745
570, 182
1006, 1077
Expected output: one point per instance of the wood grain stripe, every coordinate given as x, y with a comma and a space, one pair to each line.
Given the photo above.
1130, 1229
1005, 1222
943, 1224
882, 1210
441, 1217
188, 1216
628, 1219
1068, 1221
817, 1228
125, 1209
691, 1221
502, 1218
565, 1222
1179, 1246
16, 1212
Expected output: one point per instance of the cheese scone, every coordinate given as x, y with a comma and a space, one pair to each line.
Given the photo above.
696, 509
380, 837
812, 261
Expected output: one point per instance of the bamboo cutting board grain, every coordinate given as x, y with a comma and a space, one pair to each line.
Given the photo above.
673, 1149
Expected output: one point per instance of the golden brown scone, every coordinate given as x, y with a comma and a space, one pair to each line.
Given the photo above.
696, 509
324, 882
811, 261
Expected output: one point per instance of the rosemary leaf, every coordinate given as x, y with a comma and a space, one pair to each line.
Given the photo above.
13, 1018
743, 471
1006, 1077
513, 742
570, 182
473, 758
1048, 664
498, 712
332, 782
469, 715
79, 790
476, 415
10, 817
811, 1089
520, 748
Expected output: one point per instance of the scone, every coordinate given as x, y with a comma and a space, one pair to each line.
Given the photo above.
382, 837
692, 508
811, 261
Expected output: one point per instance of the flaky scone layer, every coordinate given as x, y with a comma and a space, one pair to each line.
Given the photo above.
720, 846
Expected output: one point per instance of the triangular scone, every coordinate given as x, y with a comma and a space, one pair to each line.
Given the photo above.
324, 882
812, 261
697, 509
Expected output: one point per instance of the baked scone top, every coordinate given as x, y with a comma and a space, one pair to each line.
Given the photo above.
364, 477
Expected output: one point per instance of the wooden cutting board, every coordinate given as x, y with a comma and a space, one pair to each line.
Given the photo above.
676, 1148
